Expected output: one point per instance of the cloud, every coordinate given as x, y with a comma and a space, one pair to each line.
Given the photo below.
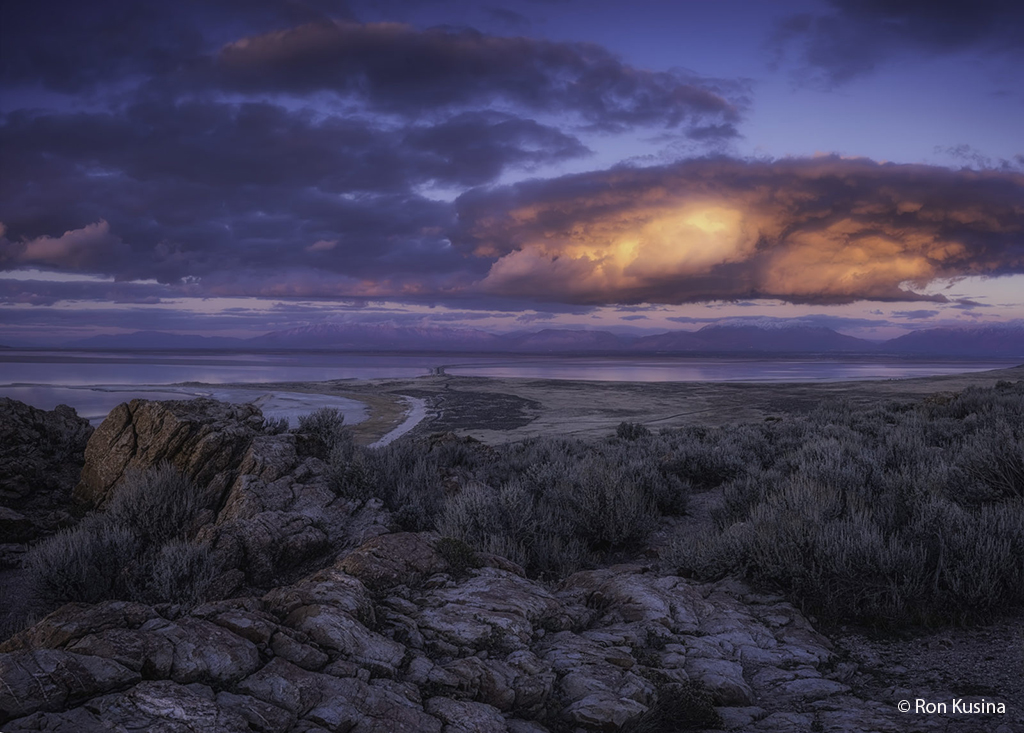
854, 38
396, 68
473, 148
322, 245
821, 230
197, 188
72, 46
90, 248
41, 292
509, 18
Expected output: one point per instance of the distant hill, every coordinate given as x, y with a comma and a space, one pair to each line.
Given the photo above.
769, 337
1004, 341
383, 336
669, 342
780, 338
565, 341
157, 341
731, 338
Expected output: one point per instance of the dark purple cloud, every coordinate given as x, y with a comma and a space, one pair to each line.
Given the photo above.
858, 35
72, 46
195, 188
399, 69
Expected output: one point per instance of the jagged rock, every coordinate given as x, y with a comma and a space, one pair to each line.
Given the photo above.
151, 655
329, 586
41, 455
284, 685
73, 621
279, 515
285, 645
267, 545
370, 709
187, 650
466, 717
202, 438
525, 726
604, 711
338, 631
594, 682
724, 679
261, 716
378, 633
401, 558
149, 706
242, 616
492, 608
53, 679
337, 704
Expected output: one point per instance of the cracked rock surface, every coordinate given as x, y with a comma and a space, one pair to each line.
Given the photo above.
329, 620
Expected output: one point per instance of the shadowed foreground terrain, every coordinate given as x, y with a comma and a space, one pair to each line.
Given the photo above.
610, 557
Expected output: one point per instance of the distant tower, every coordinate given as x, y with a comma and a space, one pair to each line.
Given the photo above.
437, 371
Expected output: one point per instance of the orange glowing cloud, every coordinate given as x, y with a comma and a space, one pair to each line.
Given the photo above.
824, 229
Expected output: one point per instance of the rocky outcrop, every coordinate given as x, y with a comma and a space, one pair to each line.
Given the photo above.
384, 641
270, 513
202, 438
326, 620
41, 455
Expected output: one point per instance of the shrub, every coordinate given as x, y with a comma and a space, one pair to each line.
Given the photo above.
275, 426
84, 564
895, 515
178, 572
156, 505
323, 430
349, 473
632, 431
134, 550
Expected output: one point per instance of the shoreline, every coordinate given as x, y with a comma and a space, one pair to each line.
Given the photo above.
504, 409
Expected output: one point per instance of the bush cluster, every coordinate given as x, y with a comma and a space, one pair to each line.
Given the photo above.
135, 549
323, 431
897, 515
551, 504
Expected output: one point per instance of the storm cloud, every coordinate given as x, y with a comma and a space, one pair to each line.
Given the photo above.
157, 154
399, 69
821, 230
852, 40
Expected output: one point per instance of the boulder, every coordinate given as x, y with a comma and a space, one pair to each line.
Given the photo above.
202, 438
73, 621
401, 558
459, 716
41, 455
149, 706
53, 680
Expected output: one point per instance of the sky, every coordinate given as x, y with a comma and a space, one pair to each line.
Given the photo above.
232, 167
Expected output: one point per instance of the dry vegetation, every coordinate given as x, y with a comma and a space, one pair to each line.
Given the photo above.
910, 512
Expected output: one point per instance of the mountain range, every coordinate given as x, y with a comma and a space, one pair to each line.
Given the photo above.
982, 341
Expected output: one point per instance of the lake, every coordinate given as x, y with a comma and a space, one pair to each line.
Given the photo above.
95, 381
